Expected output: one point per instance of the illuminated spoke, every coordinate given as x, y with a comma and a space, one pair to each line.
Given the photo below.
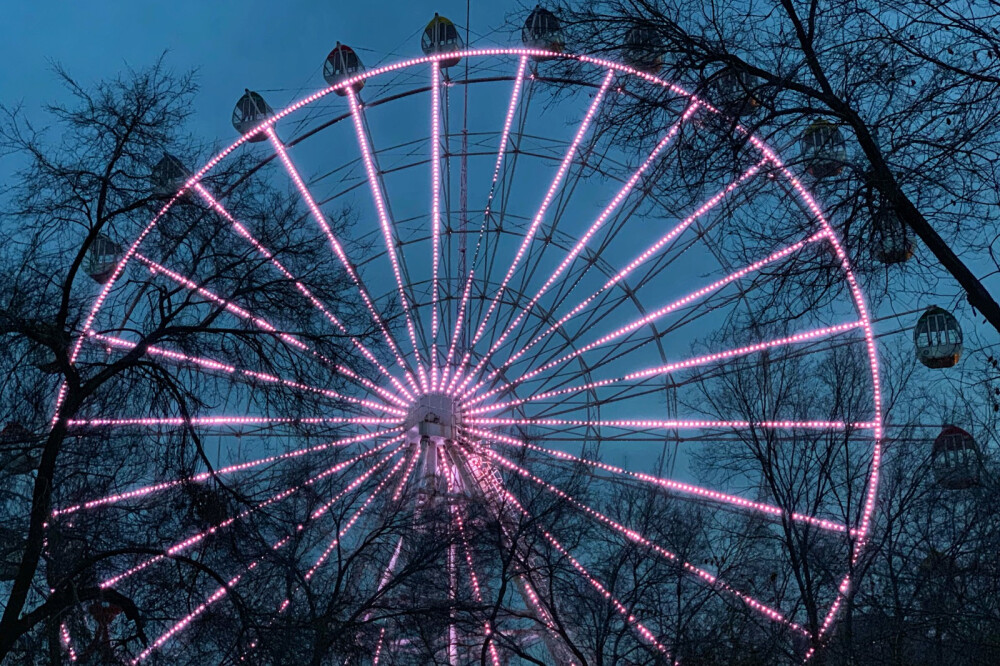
501, 152
805, 336
249, 375
263, 324
630, 619
674, 424
670, 485
616, 201
243, 232
655, 315
224, 421
638, 538
224, 590
456, 515
230, 469
622, 274
388, 234
549, 196
195, 539
435, 212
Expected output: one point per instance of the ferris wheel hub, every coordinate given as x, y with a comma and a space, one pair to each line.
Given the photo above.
434, 415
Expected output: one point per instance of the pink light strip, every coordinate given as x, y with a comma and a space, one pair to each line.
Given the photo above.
220, 592
378, 647
338, 249
656, 424
636, 537
546, 202
193, 540
669, 484
157, 269
387, 228
618, 199
67, 642
228, 306
501, 152
218, 366
711, 203
204, 476
231, 420
653, 316
406, 475
473, 578
353, 519
805, 336
242, 231
630, 619
435, 212
215, 596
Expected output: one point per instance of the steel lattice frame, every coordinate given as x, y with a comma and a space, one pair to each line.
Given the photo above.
464, 364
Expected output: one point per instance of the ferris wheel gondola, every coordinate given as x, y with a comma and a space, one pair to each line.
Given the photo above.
102, 258
251, 110
937, 338
441, 36
543, 31
955, 459
168, 176
643, 49
341, 64
824, 150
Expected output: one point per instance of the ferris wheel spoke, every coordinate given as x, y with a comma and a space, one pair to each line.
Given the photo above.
622, 274
244, 233
350, 521
435, 214
476, 589
218, 594
549, 196
226, 421
672, 486
805, 336
603, 217
263, 324
697, 295
644, 632
193, 540
498, 164
143, 491
636, 537
642, 425
388, 234
252, 377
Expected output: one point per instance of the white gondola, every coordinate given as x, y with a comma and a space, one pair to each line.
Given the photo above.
543, 31
643, 49
251, 110
955, 459
102, 259
441, 36
824, 150
937, 338
342, 64
168, 176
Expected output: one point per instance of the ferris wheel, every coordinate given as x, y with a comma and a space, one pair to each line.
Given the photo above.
533, 305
